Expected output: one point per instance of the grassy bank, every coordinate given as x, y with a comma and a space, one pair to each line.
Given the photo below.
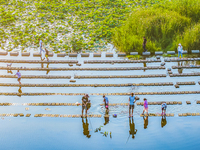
164, 24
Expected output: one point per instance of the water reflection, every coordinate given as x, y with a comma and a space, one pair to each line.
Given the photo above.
9, 71
106, 117
132, 131
163, 121
146, 121
180, 70
19, 91
86, 130
145, 65
47, 69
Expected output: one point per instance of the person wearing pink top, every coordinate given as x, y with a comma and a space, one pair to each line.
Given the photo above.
145, 106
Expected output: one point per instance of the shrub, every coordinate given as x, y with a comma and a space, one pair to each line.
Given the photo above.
159, 26
190, 40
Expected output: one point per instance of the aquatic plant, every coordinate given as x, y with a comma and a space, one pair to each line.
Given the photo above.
55, 21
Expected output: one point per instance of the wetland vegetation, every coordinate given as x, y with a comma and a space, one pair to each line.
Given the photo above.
79, 25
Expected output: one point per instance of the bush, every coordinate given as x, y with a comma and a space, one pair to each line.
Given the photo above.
159, 26
190, 40
164, 24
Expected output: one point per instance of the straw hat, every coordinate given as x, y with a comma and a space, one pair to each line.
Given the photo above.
179, 44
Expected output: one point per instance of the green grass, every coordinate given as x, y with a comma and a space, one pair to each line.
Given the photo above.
164, 24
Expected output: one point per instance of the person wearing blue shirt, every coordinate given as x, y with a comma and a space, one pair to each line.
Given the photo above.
131, 103
105, 100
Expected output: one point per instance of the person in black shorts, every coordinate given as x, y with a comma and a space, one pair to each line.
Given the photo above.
144, 44
84, 103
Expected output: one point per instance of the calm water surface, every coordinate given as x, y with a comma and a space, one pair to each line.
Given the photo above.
76, 133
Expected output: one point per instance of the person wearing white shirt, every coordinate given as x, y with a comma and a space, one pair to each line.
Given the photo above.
40, 43
180, 50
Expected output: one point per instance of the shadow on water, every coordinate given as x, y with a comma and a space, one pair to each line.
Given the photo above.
9, 71
106, 118
146, 121
47, 69
145, 65
132, 130
180, 70
20, 91
86, 130
163, 121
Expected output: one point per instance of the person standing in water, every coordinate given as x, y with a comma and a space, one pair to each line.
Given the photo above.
163, 108
145, 106
180, 50
84, 104
40, 43
18, 76
144, 44
131, 104
105, 100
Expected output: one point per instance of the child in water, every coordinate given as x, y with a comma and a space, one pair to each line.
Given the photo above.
163, 107
145, 106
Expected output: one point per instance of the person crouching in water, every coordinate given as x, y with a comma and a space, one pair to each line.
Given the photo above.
163, 107
131, 104
145, 106
105, 100
84, 103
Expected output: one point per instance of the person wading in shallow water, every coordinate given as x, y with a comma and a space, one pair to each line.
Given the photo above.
145, 109
40, 44
84, 103
105, 100
144, 44
18, 76
131, 104
163, 108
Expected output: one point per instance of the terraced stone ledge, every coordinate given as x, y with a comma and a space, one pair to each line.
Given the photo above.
87, 85
118, 61
80, 69
39, 61
109, 94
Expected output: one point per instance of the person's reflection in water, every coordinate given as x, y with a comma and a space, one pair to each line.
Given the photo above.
42, 64
20, 91
163, 121
86, 131
9, 71
145, 65
47, 69
180, 70
146, 121
132, 131
106, 117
